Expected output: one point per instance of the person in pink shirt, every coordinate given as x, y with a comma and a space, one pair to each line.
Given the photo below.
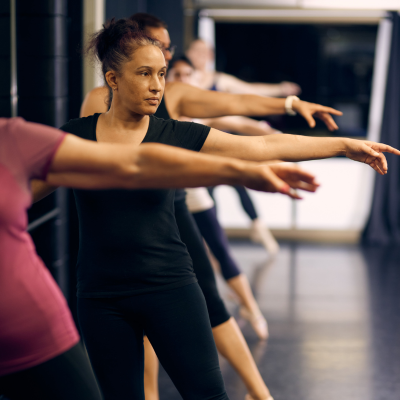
40, 354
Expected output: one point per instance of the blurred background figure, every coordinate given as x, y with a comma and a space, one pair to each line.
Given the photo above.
202, 206
202, 55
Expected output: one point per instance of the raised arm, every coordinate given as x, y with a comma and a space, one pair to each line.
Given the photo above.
95, 102
90, 165
184, 100
231, 84
297, 148
240, 125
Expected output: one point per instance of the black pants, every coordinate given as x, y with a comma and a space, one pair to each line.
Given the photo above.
245, 199
65, 377
177, 325
216, 239
191, 236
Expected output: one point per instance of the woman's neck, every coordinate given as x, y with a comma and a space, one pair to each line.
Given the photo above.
121, 125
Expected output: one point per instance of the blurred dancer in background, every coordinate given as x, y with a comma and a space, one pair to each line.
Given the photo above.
202, 56
202, 206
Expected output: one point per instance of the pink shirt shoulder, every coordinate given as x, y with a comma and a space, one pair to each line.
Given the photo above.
34, 316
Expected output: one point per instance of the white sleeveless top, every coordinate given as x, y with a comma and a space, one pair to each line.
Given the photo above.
198, 200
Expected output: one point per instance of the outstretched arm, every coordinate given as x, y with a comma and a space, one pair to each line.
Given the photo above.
240, 125
297, 148
231, 84
184, 100
95, 102
90, 165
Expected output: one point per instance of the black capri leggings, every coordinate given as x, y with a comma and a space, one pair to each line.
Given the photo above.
65, 377
191, 236
177, 325
245, 199
216, 239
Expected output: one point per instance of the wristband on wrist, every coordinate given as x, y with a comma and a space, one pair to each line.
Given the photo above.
289, 105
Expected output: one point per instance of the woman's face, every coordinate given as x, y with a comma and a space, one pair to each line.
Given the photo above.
181, 72
200, 54
140, 86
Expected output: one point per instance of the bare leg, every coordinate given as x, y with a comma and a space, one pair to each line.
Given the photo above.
261, 234
232, 345
249, 310
150, 372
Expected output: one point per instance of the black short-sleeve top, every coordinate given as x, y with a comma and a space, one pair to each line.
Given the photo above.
129, 241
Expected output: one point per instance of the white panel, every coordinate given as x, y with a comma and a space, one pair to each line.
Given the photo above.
353, 4
93, 19
381, 63
273, 209
340, 201
206, 31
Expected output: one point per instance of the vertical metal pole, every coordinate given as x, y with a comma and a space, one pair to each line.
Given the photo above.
60, 264
294, 215
13, 58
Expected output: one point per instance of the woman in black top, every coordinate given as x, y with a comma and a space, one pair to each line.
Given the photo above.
134, 272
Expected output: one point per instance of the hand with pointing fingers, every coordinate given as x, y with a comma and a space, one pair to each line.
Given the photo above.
309, 111
283, 178
370, 153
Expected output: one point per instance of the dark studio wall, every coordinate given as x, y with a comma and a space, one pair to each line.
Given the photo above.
170, 11
49, 82
333, 64
5, 60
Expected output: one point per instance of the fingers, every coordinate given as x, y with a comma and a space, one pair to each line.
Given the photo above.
286, 189
274, 184
308, 117
308, 187
306, 177
328, 120
380, 159
329, 110
387, 149
376, 167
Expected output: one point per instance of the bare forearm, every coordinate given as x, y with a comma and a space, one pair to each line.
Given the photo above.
302, 148
189, 101
240, 125
216, 104
273, 147
163, 166
253, 105
154, 166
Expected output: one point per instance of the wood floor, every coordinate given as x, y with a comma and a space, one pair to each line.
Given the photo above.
334, 320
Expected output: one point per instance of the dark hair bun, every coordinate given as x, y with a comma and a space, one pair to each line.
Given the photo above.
116, 42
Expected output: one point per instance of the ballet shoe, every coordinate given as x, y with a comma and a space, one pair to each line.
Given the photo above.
258, 322
261, 234
249, 397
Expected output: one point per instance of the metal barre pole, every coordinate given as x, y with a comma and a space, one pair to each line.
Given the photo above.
51, 214
13, 59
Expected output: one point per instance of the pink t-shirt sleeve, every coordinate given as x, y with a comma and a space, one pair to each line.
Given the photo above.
33, 145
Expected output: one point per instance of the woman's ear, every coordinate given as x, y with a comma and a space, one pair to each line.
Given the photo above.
111, 78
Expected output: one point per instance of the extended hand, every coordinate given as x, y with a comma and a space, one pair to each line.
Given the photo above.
283, 178
295, 177
311, 110
370, 153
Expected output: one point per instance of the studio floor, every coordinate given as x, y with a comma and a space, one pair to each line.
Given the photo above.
334, 319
